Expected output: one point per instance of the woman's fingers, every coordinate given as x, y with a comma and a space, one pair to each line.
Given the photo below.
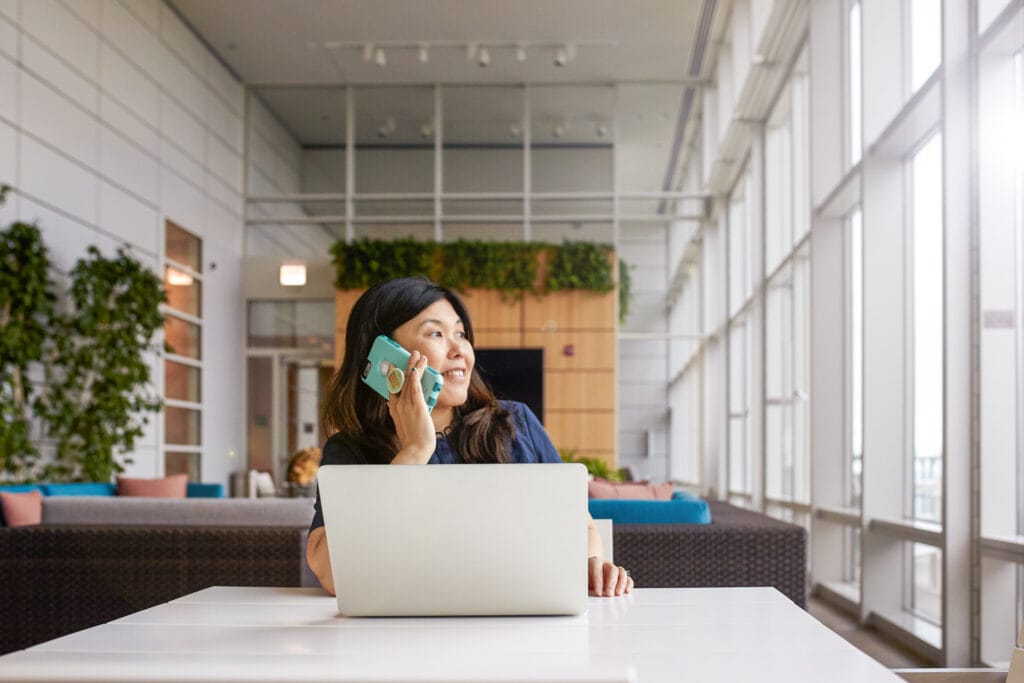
607, 579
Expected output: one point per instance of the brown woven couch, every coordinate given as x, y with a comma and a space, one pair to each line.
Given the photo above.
62, 577
738, 548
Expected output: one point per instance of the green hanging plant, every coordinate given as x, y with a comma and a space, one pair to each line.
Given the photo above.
581, 265
364, 263
509, 267
98, 390
26, 312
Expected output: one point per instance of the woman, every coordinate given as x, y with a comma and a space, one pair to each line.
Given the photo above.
467, 424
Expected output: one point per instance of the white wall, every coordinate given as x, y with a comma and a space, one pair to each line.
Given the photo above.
114, 117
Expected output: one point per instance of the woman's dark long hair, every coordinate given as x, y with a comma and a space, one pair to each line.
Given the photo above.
482, 430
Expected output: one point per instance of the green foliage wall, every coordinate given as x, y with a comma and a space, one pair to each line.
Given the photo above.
509, 267
96, 391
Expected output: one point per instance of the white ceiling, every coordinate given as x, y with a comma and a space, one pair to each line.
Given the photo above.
285, 41
282, 47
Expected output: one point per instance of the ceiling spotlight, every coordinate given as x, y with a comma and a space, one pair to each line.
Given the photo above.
561, 57
424, 54
427, 129
559, 130
483, 57
386, 128
514, 130
520, 53
602, 130
379, 58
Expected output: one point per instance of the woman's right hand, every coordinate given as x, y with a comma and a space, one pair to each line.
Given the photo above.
408, 410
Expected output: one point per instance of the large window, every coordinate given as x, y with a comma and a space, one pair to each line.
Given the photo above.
183, 326
927, 330
741, 477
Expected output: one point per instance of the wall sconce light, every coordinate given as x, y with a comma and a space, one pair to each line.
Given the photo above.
292, 274
178, 278
483, 57
379, 58
424, 54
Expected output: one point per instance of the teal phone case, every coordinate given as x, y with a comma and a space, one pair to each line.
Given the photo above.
385, 354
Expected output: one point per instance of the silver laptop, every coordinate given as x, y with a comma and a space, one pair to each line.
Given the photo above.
448, 540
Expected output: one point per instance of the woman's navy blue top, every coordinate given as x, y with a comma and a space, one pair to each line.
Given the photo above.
529, 444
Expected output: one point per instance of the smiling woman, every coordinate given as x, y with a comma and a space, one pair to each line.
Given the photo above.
467, 424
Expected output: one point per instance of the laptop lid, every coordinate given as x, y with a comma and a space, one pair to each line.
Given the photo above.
448, 540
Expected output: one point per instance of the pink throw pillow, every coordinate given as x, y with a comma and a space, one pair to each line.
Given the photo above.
173, 486
602, 488
22, 509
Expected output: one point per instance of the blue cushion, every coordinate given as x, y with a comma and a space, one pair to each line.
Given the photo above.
200, 490
83, 488
21, 488
682, 510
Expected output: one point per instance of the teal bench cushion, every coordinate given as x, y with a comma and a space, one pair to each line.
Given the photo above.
80, 488
199, 490
685, 509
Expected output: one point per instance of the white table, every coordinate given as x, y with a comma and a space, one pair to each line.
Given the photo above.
258, 635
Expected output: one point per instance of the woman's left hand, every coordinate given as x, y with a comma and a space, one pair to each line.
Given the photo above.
607, 579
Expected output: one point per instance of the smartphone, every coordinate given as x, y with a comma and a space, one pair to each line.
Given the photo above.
384, 371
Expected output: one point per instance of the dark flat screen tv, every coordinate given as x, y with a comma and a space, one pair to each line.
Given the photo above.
515, 374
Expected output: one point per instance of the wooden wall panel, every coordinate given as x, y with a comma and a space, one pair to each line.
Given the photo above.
594, 431
571, 390
571, 310
489, 311
497, 339
592, 350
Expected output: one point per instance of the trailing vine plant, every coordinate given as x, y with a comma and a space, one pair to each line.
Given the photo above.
625, 290
98, 392
26, 311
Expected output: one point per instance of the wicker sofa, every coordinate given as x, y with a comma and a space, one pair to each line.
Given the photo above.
95, 559
98, 559
738, 548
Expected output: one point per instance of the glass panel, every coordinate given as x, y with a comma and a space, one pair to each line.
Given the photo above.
483, 129
801, 387
801, 161
740, 261
926, 600
292, 324
1001, 290
260, 435
394, 136
856, 356
184, 292
739, 409
183, 247
571, 140
851, 555
176, 462
928, 330
854, 84
988, 10
182, 337
181, 426
778, 182
181, 382
1002, 608
925, 40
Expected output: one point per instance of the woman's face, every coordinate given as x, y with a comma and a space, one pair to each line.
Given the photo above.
438, 333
